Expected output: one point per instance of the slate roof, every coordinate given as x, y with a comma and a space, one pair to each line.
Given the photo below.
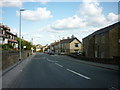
68, 40
65, 41
54, 43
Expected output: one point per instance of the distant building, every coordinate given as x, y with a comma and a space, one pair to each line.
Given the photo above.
44, 48
6, 37
54, 47
104, 43
66, 46
38, 48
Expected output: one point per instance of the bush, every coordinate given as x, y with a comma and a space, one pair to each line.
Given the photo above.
7, 47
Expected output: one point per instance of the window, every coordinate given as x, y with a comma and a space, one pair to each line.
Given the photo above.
76, 44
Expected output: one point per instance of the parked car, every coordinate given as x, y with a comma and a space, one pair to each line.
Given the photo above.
51, 53
62, 53
119, 65
46, 52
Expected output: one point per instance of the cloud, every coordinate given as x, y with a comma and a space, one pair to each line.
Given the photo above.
1, 14
18, 3
36, 15
11, 3
89, 15
92, 13
48, 28
43, 1
112, 17
14, 31
73, 22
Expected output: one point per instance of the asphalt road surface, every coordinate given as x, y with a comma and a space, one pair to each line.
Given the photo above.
54, 71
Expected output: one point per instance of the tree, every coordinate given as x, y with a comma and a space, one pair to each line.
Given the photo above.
24, 43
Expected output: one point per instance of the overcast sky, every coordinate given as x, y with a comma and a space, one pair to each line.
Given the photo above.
47, 21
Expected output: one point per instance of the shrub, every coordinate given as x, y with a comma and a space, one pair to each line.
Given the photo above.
7, 47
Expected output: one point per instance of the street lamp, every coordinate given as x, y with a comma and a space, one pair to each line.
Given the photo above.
20, 35
59, 45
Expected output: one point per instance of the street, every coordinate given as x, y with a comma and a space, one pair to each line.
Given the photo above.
58, 71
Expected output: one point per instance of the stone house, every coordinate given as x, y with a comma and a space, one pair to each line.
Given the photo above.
54, 47
104, 43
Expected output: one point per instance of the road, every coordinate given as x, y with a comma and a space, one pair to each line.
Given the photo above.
45, 71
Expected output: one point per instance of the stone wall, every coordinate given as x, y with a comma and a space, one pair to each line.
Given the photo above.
114, 42
104, 43
11, 57
113, 61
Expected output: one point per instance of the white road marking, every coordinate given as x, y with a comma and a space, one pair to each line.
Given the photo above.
50, 60
21, 70
113, 88
78, 74
58, 64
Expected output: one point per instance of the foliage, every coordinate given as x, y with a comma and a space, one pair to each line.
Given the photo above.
24, 43
7, 47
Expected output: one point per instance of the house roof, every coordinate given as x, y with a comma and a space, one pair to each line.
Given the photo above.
5, 27
103, 30
68, 40
54, 43
65, 41
11, 33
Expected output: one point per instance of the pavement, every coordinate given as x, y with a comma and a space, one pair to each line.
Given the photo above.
106, 66
57, 71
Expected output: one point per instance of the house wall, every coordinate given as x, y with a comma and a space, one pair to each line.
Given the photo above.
114, 36
85, 46
73, 48
65, 48
89, 46
103, 45
56, 48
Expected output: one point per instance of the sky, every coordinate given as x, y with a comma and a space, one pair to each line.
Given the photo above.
47, 21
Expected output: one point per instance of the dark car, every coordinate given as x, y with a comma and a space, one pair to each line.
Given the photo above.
119, 65
51, 53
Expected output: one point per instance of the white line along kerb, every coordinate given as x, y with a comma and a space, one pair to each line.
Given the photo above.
58, 64
78, 74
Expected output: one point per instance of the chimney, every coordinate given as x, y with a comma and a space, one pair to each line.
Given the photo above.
72, 36
68, 37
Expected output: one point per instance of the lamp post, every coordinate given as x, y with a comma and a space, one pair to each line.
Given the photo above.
59, 45
20, 35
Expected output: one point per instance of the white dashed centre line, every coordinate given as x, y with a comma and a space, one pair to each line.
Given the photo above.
78, 74
50, 60
21, 70
58, 64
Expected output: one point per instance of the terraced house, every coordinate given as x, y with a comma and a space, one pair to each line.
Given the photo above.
6, 37
104, 43
66, 46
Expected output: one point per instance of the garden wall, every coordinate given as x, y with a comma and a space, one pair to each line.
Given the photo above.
11, 57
